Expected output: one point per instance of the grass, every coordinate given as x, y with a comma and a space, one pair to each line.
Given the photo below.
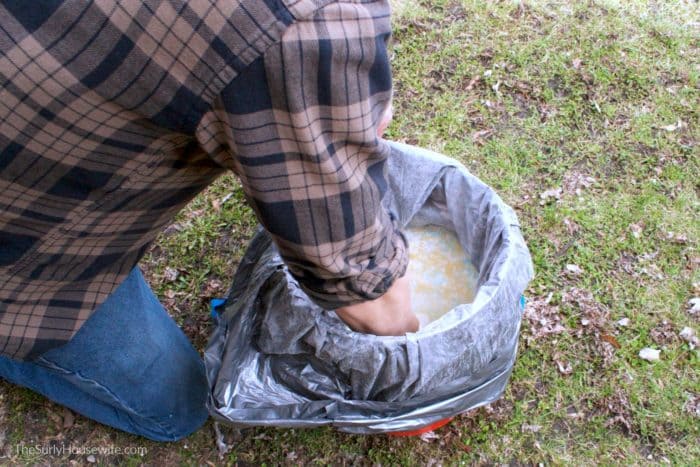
598, 98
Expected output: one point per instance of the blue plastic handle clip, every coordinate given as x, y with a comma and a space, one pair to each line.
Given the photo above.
214, 305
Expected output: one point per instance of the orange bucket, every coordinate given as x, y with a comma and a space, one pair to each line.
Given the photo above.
420, 431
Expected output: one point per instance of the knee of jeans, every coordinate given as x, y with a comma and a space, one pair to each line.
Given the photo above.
171, 405
160, 389
176, 397
176, 427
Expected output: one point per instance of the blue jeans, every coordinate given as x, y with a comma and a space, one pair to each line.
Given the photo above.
129, 366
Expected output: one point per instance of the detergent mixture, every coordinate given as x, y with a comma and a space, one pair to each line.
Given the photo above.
441, 274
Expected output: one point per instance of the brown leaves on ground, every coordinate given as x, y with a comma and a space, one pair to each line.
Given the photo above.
47, 425
190, 309
63, 419
563, 366
594, 316
170, 274
595, 322
573, 185
675, 237
68, 418
212, 288
572, 228
626, 263
692, 405
197, 328
480, 137
618, 407
663, 333
575, 182
640, 265
677, 125
544, 319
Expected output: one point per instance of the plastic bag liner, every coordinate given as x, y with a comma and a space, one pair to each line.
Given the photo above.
277, 359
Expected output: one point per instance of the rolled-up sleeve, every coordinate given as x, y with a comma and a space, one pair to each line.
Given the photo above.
299, 128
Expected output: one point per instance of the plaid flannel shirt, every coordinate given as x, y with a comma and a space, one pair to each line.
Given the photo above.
114, 114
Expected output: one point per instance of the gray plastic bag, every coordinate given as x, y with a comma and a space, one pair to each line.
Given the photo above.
277, 359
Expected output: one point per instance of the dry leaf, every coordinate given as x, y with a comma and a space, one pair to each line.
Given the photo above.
227, 197
564, 368
55, 417
571, 226
678, 238
649, 354
481, 135
573, 270
173, 228
694, 305
574, 182
637, 229
554, 193
692, 405
525, 428
653, 271
679, 125
648, 256
195, 214
170, 274
212, 286
688, 335
486, 54
576, 63
624, 322
472, 83
610, 340
463, 447
68, 418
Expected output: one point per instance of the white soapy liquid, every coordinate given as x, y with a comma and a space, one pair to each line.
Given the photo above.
441, 274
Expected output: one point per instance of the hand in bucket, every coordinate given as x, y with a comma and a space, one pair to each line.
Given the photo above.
388, 315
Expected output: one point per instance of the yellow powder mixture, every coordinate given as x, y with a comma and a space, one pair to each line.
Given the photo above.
441, 274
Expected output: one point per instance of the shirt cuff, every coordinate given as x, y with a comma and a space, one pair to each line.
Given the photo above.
387, 265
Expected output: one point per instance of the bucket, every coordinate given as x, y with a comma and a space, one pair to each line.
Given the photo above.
275, 358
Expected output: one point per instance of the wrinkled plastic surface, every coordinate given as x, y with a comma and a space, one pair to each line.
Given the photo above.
277, 359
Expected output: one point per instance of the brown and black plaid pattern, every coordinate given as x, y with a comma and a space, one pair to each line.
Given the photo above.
114, 114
